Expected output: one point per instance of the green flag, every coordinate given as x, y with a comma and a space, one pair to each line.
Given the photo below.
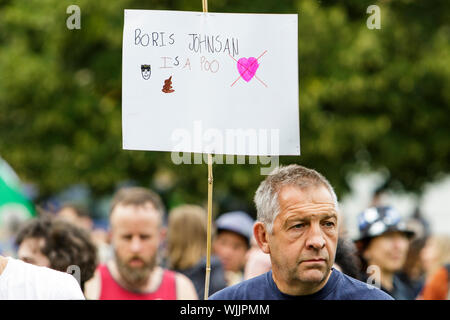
13, 204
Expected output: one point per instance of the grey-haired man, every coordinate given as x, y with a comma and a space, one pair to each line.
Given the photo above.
297, 225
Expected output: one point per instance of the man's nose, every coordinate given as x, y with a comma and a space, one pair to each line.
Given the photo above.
315, 238
135, 244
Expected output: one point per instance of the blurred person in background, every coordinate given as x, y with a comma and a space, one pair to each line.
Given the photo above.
435, 258
384, 242
232, 242
11, 218
136, 220
80, 217
57, 244
258, 262
77, 215
413, 272
186, 245
346, 259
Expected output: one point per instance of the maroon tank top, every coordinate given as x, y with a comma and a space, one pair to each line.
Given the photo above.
111, 290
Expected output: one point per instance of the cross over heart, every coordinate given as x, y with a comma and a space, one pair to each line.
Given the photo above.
247, 68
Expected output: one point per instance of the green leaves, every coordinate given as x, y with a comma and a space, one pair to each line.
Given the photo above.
377, 98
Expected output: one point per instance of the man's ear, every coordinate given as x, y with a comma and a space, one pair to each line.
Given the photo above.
261, 236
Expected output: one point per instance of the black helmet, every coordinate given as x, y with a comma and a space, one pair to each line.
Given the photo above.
375, 221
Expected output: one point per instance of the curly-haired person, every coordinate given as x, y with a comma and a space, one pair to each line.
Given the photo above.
58, 245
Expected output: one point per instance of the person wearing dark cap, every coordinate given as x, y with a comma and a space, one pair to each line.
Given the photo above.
383, 245
234, 231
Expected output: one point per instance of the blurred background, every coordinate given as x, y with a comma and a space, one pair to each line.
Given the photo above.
374, 109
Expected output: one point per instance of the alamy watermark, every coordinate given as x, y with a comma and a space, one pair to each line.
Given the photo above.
75, 271
262, 145
374, 20
374, 279
74, 20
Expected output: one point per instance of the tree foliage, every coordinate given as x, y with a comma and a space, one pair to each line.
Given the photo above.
369, 99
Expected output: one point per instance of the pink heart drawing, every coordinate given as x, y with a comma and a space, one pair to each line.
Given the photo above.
247, 68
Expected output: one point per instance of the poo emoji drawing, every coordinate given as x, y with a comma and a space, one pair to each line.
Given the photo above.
167, 88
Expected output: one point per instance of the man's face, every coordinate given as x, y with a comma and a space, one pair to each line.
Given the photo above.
135, 238
146, 72
68, 214
388, 251
304, 237
30, 252
231, 249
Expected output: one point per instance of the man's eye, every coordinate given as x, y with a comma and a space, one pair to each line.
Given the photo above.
329, 224
299, 225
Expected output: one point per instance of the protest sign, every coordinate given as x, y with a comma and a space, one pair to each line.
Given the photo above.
210, 83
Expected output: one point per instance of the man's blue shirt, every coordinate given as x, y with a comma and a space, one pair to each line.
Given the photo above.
338, 287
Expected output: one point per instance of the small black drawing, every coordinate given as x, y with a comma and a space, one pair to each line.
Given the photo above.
146, 71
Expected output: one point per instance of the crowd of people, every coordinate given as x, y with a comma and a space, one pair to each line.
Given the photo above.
296, 248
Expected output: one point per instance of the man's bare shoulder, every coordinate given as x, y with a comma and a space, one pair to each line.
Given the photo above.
92, 286
185, 288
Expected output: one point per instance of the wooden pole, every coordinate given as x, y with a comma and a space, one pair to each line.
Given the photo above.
210, 188
208, 241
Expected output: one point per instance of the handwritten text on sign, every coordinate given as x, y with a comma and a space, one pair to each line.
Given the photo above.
220, 71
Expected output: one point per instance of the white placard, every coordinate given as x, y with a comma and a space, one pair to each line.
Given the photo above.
210, 83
